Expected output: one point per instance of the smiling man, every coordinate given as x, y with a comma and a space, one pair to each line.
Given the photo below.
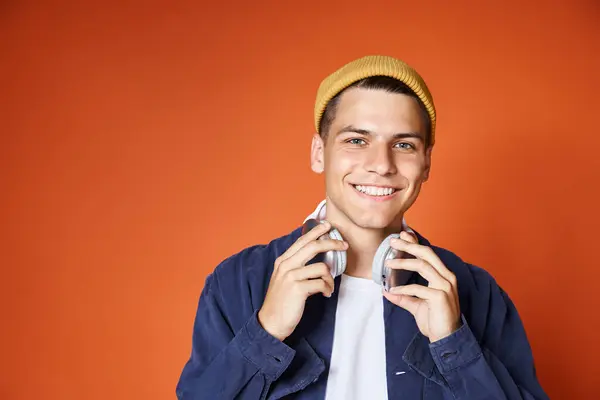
356, 304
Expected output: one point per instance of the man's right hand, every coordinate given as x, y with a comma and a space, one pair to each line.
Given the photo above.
293, 282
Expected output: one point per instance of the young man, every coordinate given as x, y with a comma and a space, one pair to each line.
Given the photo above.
272, 323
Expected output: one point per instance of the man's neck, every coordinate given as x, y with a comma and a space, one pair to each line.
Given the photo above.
362, 243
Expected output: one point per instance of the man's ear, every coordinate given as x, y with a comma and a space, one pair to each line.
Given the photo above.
317, 154
427, 163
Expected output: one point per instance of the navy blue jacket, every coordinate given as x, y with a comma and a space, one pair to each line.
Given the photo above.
233, 357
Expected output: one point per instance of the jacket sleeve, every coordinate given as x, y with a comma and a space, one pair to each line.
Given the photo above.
229, 363
500, 366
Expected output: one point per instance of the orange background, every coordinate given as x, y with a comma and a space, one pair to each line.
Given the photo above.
143, 143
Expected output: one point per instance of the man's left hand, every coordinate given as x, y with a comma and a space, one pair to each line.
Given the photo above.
435, 307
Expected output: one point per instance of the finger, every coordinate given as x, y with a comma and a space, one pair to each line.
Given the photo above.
424, 269
410, 304
311, 235
311, 249
409, 237
329, 281
420, 291
425, 253
313, 286
313, 271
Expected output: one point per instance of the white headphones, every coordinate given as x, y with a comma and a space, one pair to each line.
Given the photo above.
336, 260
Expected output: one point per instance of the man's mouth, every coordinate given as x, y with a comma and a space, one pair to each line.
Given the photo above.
379, 191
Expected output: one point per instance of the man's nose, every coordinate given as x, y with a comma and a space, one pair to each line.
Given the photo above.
381, 160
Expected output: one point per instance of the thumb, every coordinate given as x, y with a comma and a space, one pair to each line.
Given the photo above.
409, 303
408, 236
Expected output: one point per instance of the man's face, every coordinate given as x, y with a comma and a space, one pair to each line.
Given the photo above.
374, 158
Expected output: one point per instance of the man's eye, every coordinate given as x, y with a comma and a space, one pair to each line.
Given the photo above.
405, 146
356, 141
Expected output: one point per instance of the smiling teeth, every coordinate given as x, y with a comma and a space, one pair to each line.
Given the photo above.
375, 191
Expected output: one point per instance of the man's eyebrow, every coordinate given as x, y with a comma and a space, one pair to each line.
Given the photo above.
366, 132
353, 129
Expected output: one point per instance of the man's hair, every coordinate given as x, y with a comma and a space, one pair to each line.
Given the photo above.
385, 83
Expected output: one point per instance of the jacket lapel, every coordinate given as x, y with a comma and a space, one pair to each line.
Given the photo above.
409, 360
313, 342
400, 330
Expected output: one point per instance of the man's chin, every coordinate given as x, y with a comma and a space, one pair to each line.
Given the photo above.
378, 222
371, 216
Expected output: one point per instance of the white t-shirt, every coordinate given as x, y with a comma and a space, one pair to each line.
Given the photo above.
358, 362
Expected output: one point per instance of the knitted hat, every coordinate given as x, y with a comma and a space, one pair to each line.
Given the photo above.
373, 66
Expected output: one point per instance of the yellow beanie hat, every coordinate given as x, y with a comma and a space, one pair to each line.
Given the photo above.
376, 65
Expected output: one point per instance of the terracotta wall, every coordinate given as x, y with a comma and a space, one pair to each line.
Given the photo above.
143, 142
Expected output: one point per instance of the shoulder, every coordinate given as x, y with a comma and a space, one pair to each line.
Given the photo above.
236, 287
468, 275
256, 259
484, 303
245, 275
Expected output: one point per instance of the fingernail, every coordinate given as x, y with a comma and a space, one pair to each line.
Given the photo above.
395, 290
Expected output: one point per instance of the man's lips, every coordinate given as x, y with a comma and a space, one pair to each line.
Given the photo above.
377, 191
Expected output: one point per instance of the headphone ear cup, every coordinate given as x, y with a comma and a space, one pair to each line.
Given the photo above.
385, 276
308, 225
379, 272
336, 259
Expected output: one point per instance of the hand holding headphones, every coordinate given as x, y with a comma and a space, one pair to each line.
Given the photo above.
436, 307
293, 281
